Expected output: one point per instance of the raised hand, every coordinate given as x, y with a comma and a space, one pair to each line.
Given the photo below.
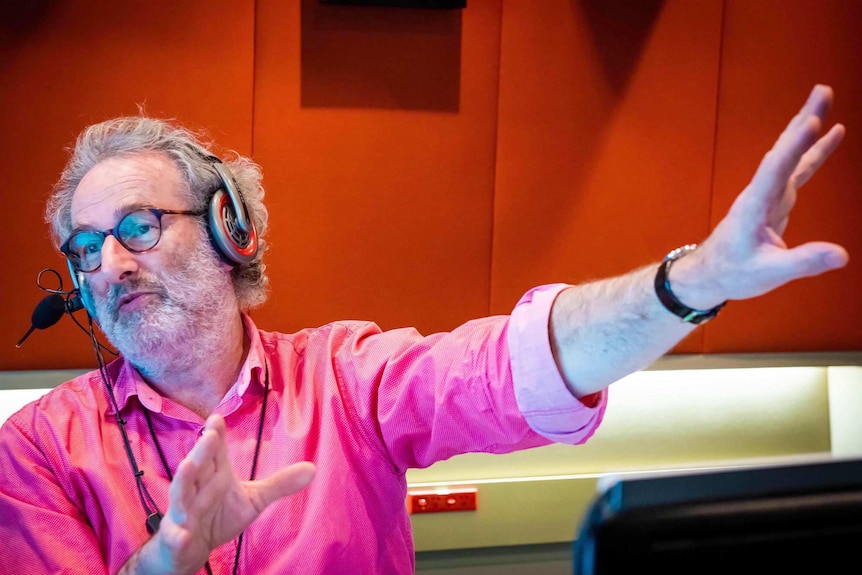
604, 330
746, 255
209, 506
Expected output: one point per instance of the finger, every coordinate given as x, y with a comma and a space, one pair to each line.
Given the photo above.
779, 228
211, 442
818, 103
809, 163
214, 488
213, 473
807, 260
204, 455
216, 424
799, 135
194, 473
182, 492
782, 160
197, 469
280, 484
761, 201
819, 152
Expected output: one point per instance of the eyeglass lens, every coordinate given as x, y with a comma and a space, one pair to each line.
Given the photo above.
138, 232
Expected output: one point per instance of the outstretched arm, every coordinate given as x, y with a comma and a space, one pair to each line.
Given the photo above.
209, 506
605, 330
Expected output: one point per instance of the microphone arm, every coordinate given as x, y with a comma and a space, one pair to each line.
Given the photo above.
51, 310
53, 307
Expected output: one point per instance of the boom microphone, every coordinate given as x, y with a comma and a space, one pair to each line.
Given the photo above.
50, 310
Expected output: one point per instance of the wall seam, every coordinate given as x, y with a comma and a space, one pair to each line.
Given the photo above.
711, 205
253, 75
494, 164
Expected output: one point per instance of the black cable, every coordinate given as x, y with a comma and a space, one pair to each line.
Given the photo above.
253, 462
85, 330
256, 453
152, 510
143, 493
158, 446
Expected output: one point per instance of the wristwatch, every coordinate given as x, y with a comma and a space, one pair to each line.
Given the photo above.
670, 301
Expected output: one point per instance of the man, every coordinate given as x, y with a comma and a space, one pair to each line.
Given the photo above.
326, 421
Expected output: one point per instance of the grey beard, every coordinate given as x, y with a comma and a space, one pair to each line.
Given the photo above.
184, 322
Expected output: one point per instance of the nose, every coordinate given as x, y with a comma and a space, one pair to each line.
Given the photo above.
118, 263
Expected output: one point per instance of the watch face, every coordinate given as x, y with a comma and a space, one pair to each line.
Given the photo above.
680, 251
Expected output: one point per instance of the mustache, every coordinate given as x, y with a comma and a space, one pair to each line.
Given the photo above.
144, 282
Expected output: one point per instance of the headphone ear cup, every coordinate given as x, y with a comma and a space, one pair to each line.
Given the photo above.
233, 244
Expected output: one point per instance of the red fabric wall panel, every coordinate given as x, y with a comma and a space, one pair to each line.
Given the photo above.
605, 139
773, 53
67, 64
380, 181
426, 167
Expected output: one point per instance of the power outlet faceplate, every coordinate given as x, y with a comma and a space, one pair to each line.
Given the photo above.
439, 501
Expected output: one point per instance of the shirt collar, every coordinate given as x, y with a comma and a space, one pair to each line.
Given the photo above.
128, 382
255, 362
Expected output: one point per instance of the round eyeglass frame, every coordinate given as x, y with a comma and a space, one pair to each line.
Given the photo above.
75, 259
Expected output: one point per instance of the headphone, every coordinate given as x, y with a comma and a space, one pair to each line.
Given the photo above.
231, 231
230, 227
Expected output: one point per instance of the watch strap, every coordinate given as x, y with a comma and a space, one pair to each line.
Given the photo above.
667, 297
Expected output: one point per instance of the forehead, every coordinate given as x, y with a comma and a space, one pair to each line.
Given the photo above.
116, 184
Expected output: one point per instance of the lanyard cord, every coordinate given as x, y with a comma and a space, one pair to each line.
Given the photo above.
142, 490
153, 513
253, 462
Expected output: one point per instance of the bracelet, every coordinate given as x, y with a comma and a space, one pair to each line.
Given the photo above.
670, 301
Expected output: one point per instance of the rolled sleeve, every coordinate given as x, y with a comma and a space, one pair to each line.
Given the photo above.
542, 395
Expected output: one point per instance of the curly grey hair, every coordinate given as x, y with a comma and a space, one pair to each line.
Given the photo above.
133, 135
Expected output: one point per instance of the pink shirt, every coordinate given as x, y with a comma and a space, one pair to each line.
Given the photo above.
362, 404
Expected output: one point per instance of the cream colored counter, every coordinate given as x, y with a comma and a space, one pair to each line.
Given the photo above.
682, 412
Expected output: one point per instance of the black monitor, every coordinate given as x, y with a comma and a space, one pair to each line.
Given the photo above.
799, 517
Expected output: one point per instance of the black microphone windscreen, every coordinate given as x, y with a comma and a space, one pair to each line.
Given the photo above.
49, 311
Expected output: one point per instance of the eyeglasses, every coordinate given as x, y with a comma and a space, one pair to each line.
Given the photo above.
137, 231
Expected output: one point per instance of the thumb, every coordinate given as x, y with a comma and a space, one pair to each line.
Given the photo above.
814, 258
280, 484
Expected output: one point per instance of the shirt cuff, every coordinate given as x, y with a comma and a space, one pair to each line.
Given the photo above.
543, 397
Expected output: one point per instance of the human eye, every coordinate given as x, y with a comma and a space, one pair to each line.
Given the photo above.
83, 244
92, 246
139, 229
